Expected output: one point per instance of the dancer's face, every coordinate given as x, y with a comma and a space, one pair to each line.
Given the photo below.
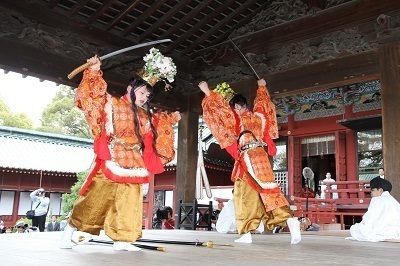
141, 94
239, 109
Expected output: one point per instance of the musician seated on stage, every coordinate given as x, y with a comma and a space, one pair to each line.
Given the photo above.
166, 217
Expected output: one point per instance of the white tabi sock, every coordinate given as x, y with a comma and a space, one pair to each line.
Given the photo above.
125, 246
260, 228
66, 238
246, 238
294, 227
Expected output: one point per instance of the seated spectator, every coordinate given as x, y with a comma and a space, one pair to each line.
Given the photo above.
53, 225
169, 222
8, 230
323, 187
226, 219
226, 222
64, 222
1, 225
214, 219
382, 220
21, 227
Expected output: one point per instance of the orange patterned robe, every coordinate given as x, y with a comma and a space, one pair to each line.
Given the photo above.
117, 148
111, 196
257, 197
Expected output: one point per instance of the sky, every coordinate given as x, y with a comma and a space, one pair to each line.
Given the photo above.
26, 95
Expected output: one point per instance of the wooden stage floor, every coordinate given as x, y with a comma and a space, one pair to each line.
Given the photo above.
316, 248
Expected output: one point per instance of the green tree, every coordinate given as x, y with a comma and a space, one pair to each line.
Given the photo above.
63, 117
5, 113
69, 199
19, 120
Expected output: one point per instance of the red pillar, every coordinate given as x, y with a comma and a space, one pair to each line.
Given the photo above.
294, 166
340, 156
148, 204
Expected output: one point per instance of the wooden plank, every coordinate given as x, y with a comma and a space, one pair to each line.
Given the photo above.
321, 247
337, 72
45, 16
390, 87
332, 73
187, 157
342, 16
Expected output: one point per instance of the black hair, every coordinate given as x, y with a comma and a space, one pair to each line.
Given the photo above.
379, 182
238, 99
137, 82
168, 209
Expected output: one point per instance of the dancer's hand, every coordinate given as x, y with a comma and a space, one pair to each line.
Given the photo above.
95, 63
261, 82
178, 115
204, 88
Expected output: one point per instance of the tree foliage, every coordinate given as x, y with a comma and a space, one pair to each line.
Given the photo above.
63, 117
69, 199
18, 120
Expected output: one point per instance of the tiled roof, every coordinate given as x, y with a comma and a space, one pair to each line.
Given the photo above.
32, 150
367, 176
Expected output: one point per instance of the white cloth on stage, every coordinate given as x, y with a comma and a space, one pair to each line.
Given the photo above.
323, 187
226, 219
380, 222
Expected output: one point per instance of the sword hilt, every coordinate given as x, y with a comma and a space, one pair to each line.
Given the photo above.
208, 244
79, 69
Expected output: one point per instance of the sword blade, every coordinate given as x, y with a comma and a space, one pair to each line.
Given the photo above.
245, 59
86, 65
133, 47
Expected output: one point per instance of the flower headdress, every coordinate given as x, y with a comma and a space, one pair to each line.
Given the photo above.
225, 90
158, 67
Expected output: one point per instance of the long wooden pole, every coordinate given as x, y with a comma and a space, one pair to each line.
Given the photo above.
208, 244
110, 242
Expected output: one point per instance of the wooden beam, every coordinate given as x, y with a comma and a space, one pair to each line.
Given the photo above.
341, 71
78, 6
163, 20
187, 17
131, 5
184, 37
45, 16
337, 72
343, 16
223, 38
101, 11
147, 13
23, 59
53, 3
222, 23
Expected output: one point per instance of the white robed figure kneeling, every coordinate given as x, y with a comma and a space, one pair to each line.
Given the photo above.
226, 219
382, 220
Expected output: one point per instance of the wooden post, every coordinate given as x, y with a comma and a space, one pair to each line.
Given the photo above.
340, 156
389, 60
148, 205
187, 157
294, 166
